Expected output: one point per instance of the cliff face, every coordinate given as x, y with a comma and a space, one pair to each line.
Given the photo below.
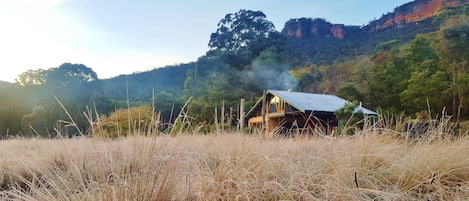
307, 27
412, 12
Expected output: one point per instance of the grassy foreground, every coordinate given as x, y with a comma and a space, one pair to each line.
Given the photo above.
234, 167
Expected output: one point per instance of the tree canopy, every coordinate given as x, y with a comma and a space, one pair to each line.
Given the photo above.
241, 30
64, 75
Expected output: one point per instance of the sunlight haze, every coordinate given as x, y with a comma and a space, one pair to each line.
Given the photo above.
116, 37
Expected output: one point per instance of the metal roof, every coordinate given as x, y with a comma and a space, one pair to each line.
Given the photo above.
315, 102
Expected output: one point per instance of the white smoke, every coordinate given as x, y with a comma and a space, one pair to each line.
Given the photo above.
271, 77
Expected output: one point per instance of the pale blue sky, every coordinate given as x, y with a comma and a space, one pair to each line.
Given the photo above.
121, 37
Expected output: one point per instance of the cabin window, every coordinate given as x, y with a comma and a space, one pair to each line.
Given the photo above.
273, 108
277, 104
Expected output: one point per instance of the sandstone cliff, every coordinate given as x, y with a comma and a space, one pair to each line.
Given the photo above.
307, 27
412, 12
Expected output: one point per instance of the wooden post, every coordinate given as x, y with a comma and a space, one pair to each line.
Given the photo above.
223, 116
230, 120
264, 108
241, 115
216, 120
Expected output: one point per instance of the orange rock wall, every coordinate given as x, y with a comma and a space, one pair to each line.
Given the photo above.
337, 31
412, 12
301, 28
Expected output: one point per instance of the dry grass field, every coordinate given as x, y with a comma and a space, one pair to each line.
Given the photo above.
232, 166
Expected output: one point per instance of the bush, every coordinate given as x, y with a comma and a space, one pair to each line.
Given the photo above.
135, 120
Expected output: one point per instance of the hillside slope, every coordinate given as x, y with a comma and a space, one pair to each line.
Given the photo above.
4, 84
140, 86
404, 15
320, 42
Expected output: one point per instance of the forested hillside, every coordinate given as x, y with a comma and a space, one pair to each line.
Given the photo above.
169, 79
408, 60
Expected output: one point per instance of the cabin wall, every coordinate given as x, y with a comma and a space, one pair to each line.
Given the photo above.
281, 118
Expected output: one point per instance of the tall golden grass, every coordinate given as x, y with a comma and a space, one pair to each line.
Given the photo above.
367, 166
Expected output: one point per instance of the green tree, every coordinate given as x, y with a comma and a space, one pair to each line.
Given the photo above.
420, 51
13, 105
427, 84
69, 74
388, 77
386, 46
208, 70
454, 48
240, 30
308, 78
211, 82
242, 36
349, 91
70, 87
32, 78
426, 89
349, 116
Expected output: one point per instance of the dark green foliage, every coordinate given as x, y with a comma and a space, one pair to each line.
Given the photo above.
388, 80
164, 86
455, 52
13, 104
349, 116
210, 83
167, 105
427, 85
243, 36
240, 30
308, 78
426, 89
350, 92
69, 74
48, 94
140, 86
458, 37
386, 46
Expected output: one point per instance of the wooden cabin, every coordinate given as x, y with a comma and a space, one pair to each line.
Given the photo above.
296, 113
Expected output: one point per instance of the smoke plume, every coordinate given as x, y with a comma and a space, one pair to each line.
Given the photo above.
274, 77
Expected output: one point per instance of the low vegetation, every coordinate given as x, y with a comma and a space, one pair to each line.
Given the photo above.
378, 164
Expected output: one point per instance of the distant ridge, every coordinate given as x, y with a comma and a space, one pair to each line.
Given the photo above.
408, 13
412, 12
4, 84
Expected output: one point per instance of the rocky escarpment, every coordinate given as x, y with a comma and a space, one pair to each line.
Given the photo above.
307, 27
412, 12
